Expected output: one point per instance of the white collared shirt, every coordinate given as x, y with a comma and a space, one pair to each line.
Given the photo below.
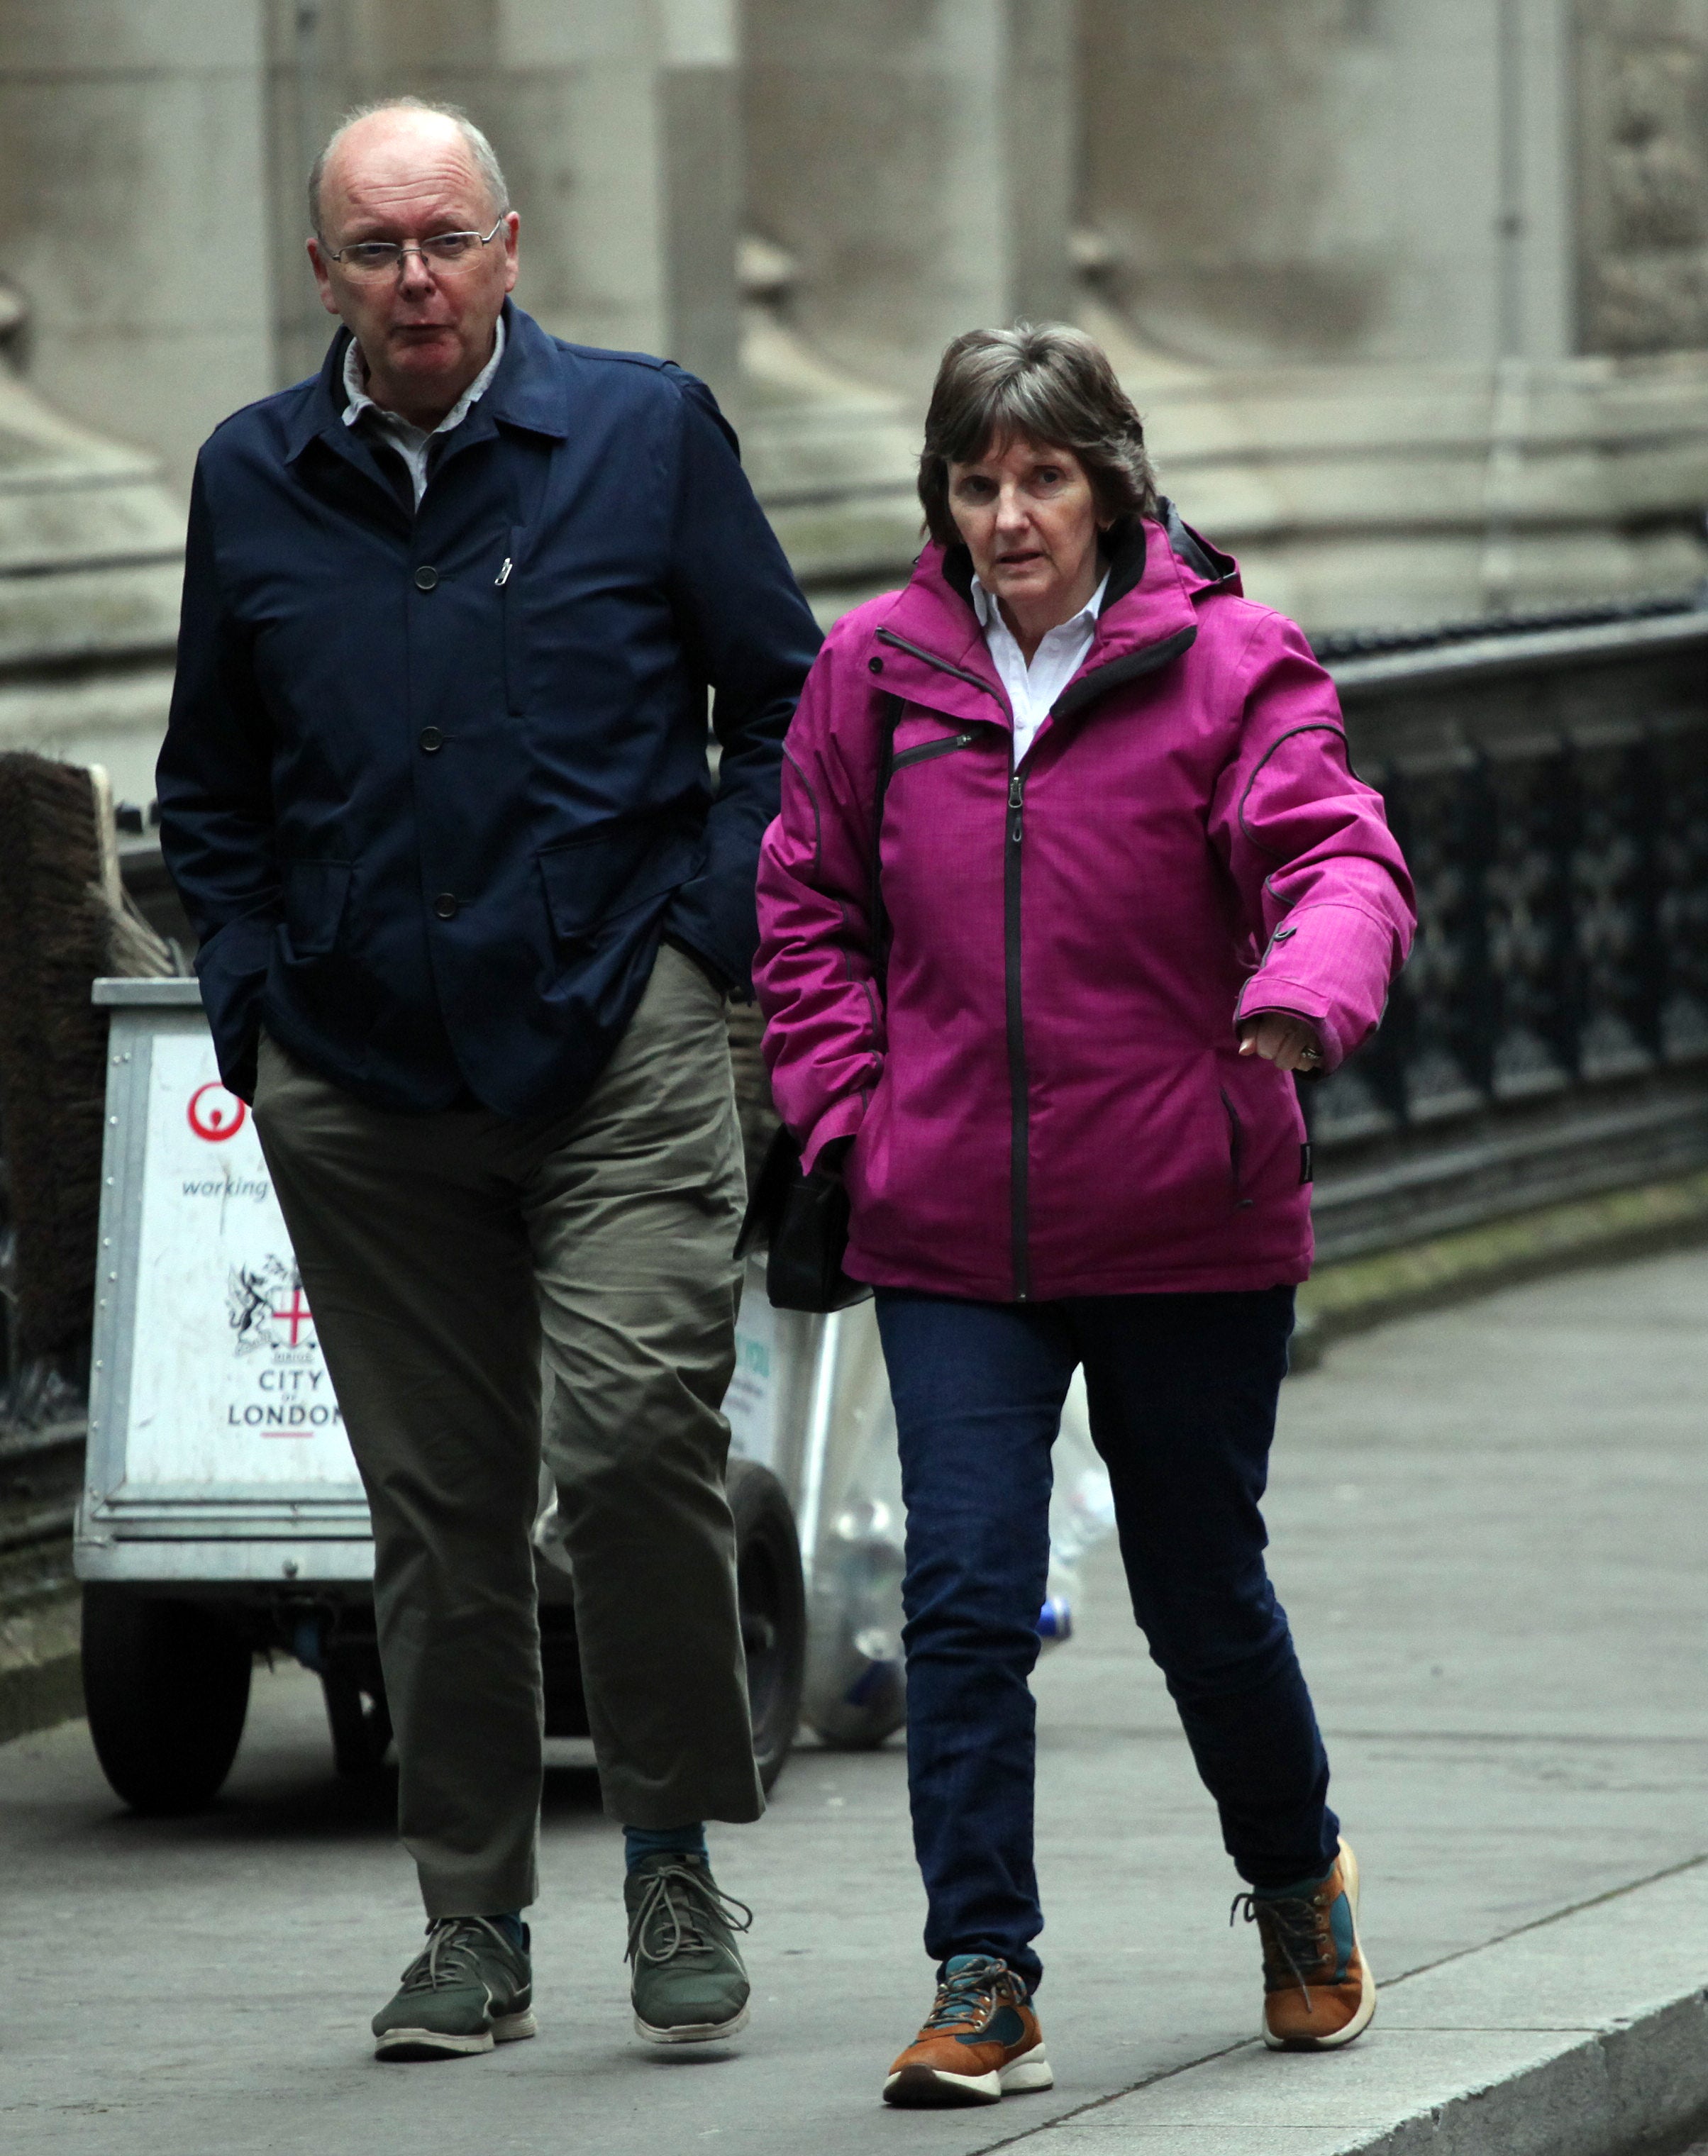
1032, 689
412, 443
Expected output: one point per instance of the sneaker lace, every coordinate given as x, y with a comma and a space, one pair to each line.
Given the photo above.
965, 1996
1291, 1923
451, 1957
679, 1896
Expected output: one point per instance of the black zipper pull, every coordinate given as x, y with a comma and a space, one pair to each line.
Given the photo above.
1014, 784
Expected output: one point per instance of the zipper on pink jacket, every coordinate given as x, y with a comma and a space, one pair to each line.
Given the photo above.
1019, 1095
1019, 1104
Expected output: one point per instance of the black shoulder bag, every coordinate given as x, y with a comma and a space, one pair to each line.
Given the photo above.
803, 1219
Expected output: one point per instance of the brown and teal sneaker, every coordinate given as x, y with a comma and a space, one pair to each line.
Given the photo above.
1317, 1990
689, 1985
467, 1990
980, 2042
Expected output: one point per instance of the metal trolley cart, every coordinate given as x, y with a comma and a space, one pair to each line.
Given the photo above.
222, 1513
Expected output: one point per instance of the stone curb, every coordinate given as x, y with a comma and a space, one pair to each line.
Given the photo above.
41, 1680
1358, 1293
1583, 2034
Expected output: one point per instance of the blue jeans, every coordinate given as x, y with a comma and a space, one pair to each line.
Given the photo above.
1181, 1389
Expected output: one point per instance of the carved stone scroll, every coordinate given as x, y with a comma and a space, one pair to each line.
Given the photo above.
1643, 188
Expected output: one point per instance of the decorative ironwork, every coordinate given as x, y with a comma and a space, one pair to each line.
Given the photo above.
1562, 940
1680, 757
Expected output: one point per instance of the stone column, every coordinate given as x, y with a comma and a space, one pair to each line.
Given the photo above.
1333, 180
131, 211
699, 153
915, 160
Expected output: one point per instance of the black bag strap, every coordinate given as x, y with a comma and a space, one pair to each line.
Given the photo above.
779, 1171
890, 720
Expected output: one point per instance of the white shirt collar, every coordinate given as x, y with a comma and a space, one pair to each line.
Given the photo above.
1033, 688
356, 389
990, 614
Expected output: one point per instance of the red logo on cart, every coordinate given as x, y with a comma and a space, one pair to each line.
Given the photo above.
215, 1114
295, 1314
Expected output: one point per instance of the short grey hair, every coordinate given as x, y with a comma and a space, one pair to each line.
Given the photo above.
480, 149
1055, 386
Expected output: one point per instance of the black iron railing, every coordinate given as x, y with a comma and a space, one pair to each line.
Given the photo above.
1562, 923
1551, 791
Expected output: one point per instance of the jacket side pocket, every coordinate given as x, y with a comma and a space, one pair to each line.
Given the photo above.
591, 880
1236, 1151
315, 895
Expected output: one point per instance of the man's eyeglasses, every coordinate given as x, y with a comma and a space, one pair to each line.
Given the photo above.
383, 258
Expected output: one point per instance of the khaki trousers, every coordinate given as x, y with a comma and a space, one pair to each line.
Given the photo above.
440, 1253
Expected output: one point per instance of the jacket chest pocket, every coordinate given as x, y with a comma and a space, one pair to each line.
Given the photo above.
924, 751
509, 582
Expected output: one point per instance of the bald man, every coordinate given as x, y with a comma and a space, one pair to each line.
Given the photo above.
435, 795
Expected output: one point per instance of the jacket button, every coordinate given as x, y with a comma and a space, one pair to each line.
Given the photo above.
445, 905
432, 741
426, 577
876, 664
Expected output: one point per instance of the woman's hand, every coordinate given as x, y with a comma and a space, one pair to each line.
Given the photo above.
1289, 1042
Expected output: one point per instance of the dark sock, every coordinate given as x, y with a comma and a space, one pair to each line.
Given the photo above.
1297, 1891
509, 1922
643, 1842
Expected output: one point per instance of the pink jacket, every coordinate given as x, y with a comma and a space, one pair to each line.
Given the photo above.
1044, 1088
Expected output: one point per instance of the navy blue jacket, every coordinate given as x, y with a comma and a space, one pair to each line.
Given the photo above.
436, 782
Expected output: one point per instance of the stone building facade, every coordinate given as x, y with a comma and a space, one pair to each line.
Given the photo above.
1413, 292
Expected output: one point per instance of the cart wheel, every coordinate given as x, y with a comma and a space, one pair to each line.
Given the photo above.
773, 1610
361, 1728
165, 1685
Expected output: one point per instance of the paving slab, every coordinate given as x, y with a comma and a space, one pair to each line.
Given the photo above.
1488, 1526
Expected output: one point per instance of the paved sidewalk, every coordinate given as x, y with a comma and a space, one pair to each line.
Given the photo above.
1488, 1526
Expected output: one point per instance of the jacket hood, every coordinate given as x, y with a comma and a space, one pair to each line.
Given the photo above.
928, 643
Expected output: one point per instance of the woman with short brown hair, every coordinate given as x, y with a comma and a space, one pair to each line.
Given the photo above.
1072, 874
1051, 385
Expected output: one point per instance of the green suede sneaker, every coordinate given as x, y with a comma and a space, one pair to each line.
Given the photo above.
689, 1985
467, 1990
